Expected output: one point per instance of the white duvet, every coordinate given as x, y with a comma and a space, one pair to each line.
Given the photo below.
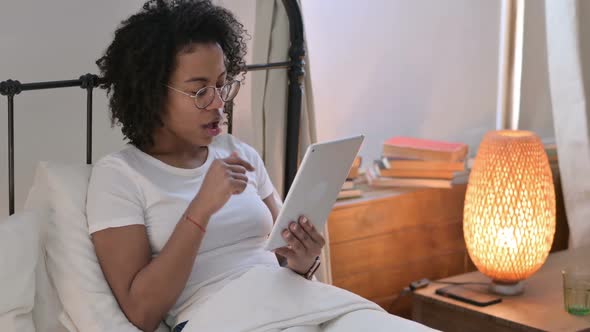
275, 299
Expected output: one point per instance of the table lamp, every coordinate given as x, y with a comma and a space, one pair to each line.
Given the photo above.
509, 213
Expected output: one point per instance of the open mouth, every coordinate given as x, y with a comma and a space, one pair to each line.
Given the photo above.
213, 128
212, 125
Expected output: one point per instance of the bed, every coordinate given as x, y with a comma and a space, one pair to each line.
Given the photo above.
44, 243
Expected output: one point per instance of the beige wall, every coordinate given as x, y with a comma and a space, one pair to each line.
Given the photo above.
46, 41
424, 67
535, 100
245, 11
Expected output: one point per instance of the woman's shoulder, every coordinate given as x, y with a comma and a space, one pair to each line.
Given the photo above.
126, 162
118, 159
115, 172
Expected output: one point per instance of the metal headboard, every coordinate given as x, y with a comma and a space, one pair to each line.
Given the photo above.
10, 88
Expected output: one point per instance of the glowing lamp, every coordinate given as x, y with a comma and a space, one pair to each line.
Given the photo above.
509, 213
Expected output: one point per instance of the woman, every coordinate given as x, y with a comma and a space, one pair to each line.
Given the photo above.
183, 210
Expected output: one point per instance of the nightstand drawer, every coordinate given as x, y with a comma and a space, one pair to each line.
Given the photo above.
363, 218
397, 248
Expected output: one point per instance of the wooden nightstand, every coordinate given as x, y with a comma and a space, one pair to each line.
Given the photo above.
381, 242
540, 308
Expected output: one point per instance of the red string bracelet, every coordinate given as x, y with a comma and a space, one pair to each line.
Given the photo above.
195, 222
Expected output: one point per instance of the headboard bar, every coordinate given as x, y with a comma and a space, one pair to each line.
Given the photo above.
272, 65
10, 88
11, 153
89, 82
295, 91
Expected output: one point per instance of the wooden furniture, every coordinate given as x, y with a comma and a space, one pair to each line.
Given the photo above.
381, 242
539, 308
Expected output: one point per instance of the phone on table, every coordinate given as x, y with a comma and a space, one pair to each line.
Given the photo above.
464, 294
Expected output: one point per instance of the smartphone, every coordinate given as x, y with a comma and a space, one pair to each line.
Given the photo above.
464, 294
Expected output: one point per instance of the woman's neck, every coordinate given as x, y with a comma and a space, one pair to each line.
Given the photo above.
177, 154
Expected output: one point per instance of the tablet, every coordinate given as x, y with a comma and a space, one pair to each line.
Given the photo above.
315, 188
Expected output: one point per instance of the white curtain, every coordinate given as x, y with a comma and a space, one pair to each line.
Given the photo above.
269, 101
568, 46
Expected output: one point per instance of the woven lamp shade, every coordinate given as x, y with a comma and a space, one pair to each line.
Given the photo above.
509, 213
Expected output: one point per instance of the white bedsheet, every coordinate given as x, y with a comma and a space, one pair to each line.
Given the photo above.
276, 299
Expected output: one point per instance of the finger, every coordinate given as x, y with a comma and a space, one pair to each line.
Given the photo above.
238, 186
286, 252
312, 231
302, 236
236, 168
313, 247
239, 176
293, 242
234, 159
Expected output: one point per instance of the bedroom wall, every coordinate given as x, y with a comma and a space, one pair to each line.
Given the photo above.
535, 102
422, 68
425, 68
39, 43
245, 10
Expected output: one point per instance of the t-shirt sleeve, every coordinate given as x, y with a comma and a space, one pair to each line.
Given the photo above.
264, 184
114, 199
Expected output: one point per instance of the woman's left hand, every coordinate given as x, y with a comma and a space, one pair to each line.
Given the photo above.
305, 243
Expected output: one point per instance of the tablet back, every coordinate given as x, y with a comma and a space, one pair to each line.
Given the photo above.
317, 183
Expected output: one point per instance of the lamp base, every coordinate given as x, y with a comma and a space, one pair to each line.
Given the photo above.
507, 289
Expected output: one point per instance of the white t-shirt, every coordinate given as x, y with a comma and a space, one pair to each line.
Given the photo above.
130, 187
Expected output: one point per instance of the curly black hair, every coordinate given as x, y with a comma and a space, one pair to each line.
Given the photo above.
141, 58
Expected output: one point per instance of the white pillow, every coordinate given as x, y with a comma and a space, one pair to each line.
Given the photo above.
19, 247
71, 260
47, 308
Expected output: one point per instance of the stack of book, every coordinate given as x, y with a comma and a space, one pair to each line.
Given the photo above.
414, 162
349, 188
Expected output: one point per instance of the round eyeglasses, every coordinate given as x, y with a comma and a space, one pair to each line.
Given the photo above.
205, 96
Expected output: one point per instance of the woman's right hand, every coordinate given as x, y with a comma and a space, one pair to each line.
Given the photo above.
225, 177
